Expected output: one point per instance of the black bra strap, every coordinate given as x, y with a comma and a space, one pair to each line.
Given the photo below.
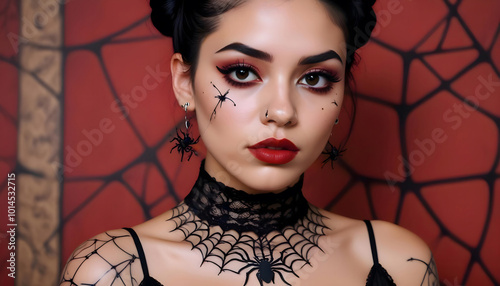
138, 245
373, 245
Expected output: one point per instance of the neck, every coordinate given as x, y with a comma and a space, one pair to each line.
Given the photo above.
237, 210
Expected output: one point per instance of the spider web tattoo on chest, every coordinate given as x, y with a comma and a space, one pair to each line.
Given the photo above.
278, 253
265, 236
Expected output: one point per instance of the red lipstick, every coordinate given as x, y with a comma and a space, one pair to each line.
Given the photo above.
274, 151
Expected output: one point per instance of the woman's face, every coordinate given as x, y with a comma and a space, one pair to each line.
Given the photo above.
282, 63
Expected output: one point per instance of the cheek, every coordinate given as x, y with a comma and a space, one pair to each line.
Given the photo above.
220, 106
319, 121
224, 127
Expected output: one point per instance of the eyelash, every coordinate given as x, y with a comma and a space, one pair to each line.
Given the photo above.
330, 77
327, 75
227, 70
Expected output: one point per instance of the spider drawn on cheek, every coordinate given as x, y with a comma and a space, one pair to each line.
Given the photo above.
333, 153
221, 97
336, 104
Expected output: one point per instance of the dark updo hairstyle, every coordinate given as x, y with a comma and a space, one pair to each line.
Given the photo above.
188, 22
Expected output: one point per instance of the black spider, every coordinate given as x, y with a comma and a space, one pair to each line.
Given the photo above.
266, 269
184, 143
221, 97
332, 152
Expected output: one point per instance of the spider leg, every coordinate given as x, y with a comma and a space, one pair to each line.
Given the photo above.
178, 137
191, 154
250, 264
271, 255
177, 132
248, 276
324, 162
176, 146
183, 134
196, 141
213, 112
283, 278
182, 154
230, 99
215, 108
220, 93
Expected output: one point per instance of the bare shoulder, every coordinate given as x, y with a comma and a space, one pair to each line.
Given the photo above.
102, 260
405, 256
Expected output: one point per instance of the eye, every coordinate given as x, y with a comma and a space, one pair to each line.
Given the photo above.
239, 74
318, 79
243, 74
314, 79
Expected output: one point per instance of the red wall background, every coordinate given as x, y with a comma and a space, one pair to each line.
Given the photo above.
423, 153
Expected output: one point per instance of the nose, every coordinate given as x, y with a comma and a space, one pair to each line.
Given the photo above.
280, 109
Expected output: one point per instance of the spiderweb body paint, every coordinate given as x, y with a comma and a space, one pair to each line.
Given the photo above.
269, 235
431, 277
117, 268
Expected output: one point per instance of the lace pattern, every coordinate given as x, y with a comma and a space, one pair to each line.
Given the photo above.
268, 235
236, 210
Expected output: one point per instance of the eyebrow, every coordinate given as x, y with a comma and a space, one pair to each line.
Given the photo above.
320, 58
244, 49
249, 51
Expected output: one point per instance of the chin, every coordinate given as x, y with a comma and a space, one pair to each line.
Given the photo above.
270, 179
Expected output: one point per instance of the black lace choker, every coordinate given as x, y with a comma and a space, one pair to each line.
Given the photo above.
232, 209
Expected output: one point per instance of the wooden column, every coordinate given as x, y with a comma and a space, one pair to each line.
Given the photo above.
39, 142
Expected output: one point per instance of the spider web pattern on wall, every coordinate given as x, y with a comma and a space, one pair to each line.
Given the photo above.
120, 116
431, 189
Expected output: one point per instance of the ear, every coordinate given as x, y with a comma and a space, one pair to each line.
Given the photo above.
181, 81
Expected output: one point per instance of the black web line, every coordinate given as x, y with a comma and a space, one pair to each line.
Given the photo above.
403, 110
409, 186
124, 266
244, 252
431, 275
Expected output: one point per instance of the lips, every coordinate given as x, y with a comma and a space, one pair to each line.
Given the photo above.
274, 151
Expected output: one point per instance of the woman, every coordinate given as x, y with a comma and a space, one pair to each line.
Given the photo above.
266, 79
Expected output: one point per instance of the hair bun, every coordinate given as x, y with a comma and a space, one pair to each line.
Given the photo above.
163, 13
362, 20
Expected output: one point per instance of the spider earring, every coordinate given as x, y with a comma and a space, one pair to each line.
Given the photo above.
333, 153
184, 142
